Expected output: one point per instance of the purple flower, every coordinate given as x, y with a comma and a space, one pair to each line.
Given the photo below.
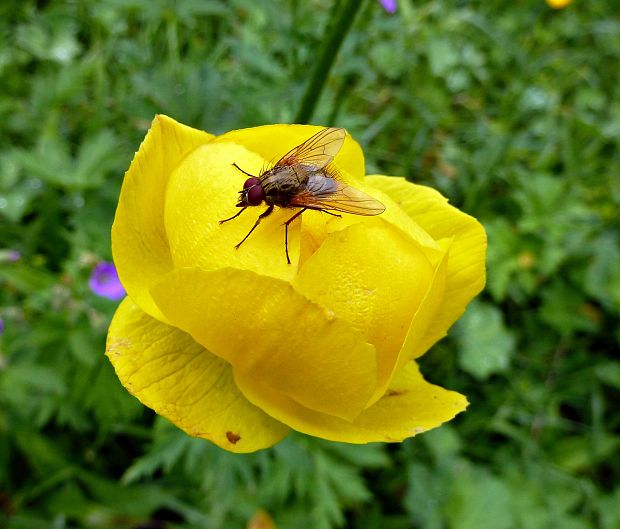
1, 325
104, 282
389, 5
9, 256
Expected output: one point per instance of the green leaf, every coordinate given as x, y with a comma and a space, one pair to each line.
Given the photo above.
609, 373
565, 309
479, 500
486, 345
603, 273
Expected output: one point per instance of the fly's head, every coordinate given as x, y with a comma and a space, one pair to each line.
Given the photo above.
252, 193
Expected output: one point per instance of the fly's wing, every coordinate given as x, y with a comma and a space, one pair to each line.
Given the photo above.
316, 152
322, 192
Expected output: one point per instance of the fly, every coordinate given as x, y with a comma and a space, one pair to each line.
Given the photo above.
303, 179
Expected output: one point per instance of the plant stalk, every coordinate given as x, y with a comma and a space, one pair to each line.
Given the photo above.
334, 36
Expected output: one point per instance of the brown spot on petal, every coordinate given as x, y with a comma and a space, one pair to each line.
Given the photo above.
395, 392
232, 437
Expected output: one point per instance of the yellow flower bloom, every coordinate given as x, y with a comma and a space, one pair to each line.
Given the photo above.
261, 520
237, 346
558, 4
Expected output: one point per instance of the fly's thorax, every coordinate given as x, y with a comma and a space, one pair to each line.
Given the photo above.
281, 184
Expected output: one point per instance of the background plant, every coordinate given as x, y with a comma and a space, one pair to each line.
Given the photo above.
512, 111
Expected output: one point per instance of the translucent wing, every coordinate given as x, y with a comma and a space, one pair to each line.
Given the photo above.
316, 151
322, 192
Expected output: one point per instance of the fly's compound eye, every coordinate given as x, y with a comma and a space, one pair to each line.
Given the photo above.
251, 182
255, 194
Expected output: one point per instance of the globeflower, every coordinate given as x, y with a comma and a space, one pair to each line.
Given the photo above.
558, 4
239, 347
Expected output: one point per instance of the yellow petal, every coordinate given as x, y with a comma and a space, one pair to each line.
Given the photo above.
139, 242
179, 379
263, 326
393, 214
272, 142
409, 407
316, 225
415, 341
204, 190
312, 235
373, 276
465, 236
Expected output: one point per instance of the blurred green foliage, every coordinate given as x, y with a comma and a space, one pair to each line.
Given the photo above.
512, 111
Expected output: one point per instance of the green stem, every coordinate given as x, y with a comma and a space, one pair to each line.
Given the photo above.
335, 34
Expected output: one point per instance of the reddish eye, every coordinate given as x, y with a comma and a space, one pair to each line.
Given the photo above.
255, 195
251, 182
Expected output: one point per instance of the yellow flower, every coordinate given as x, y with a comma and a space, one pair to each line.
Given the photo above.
558, 4
237, 346
261, 520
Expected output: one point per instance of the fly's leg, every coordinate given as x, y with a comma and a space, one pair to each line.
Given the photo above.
330, 213
237, 214
288, 259
264, 214
233, 217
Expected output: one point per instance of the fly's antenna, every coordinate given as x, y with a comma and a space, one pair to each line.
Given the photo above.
244, 172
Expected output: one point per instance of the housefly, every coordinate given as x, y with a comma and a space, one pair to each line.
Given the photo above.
303, 178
